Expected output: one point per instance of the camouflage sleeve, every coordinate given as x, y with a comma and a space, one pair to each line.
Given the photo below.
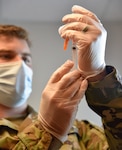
35, 138
105, 98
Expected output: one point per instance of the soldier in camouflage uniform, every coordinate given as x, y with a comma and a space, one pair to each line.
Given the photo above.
21, 128
104, 90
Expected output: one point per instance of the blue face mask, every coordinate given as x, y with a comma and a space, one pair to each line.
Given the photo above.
15, 83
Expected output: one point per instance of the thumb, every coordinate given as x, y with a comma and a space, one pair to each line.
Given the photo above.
84, 85
61, 71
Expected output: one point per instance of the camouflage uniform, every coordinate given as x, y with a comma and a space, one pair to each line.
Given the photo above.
104, 97
30, 136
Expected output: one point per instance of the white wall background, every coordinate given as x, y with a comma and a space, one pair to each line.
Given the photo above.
48, 55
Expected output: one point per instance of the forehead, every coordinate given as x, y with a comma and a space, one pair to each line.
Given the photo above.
14, 44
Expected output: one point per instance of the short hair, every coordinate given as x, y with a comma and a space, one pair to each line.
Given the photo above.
15, 31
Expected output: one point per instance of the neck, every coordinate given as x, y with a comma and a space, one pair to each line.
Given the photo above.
8, 112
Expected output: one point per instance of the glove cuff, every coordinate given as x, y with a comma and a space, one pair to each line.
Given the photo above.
51, 129
90, 74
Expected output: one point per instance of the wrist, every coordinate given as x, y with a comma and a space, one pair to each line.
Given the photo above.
53, 130
97, 77
55, 143
94, 75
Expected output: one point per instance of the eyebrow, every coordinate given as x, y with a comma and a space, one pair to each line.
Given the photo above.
6, 51
12, 51
27, 54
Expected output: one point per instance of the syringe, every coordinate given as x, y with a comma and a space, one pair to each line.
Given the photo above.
74, 53
74, 56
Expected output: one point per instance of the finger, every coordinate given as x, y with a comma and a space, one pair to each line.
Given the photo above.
81, 37
72, 89
82, 89
79, 27
81, 10
76, 91
80, 93
61, 71
77, 18
69, 79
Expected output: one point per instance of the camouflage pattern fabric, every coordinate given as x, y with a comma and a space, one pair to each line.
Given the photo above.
85, 136
30, 136
23, 133
105, 98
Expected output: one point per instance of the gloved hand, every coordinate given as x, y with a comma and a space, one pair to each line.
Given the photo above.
60, 99
89, 36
